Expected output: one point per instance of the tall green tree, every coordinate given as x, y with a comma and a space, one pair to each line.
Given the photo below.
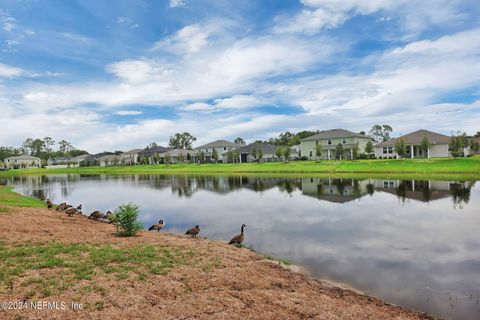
259, 154
355, 150
381, 132
401, 148
318, 151
239, 141
215, 155
457, 144
182, 140
369, 147
339, 151
286, 153
49, 143
279, 152
424, 145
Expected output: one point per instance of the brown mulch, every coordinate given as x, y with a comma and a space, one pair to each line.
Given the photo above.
245, 286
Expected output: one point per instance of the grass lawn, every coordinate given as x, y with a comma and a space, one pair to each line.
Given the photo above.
438, 168
13, 199
74, 262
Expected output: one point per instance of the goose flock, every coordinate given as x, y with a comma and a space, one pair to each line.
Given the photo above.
105, 217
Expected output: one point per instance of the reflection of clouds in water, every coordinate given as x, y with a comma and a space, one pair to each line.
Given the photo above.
417, 253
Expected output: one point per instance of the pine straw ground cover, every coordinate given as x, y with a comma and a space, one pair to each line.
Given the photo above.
48, 256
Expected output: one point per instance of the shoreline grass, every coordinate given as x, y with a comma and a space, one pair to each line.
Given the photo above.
10, 198
435, 169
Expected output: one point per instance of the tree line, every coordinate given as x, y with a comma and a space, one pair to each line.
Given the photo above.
42, 148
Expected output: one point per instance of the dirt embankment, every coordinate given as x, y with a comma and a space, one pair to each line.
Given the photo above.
238, 285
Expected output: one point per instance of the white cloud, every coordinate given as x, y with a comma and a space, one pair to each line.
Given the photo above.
7, 22
177, 3
412, 16
128, 113
7, 71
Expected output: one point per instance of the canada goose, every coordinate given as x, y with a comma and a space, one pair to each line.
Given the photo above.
71, 211
49, 203
62, 206
238, 239
158, 226
96, 215
194, 231
107, 215
79, 208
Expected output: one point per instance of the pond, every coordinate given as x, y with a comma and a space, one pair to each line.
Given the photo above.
411, 243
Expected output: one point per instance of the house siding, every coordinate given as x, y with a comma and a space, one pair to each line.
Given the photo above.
308, 148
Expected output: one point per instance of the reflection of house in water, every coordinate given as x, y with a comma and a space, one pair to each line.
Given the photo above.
335, 190
425, 190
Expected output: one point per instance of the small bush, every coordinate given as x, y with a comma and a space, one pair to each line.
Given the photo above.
125, 218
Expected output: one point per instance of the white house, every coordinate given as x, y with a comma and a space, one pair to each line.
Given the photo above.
22, 162
130, 158
329, 141
178, 156
438, 146
220, 146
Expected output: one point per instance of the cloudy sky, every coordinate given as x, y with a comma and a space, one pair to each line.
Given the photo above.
120, 74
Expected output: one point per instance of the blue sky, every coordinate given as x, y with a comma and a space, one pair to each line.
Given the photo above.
120, 74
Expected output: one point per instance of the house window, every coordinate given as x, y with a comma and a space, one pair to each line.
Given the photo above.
390, 150
344, 141
329, 141
311, 153
385, 150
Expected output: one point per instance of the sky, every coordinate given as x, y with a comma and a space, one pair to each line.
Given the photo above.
118, 75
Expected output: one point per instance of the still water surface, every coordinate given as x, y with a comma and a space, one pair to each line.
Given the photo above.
412, 243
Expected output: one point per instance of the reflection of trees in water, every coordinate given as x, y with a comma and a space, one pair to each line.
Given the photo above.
370, 189
289, 185
182, 186
460, 192
341, 184
402, 189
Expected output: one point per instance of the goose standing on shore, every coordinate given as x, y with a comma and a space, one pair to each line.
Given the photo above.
158, 226
49, 204
95, 215
238, 239
194, 231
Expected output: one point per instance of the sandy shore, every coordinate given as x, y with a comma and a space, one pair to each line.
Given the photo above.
239, 285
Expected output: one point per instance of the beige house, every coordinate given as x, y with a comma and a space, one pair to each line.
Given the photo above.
130, 158
220, 146
109, 160
178, 156
329, 140
438, 147
22, 162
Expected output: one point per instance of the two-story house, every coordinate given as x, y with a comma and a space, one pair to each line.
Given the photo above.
220, 146
329, 140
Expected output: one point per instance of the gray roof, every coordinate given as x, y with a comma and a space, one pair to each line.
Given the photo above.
81, 157
335, 134
267, 148
219, 144
177, 152
148, 152
133, 151
109, 157
23, 157
416, 137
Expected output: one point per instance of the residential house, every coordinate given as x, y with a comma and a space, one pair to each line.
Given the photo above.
178, 156
22, 162
94, 159
130, 158
246, 153
151, 155
329, 141
78, 160
108, 160
438, 146
220, 146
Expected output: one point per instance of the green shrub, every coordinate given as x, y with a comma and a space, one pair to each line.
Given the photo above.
125, 218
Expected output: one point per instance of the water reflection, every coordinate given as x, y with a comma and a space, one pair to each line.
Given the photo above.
401, 240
